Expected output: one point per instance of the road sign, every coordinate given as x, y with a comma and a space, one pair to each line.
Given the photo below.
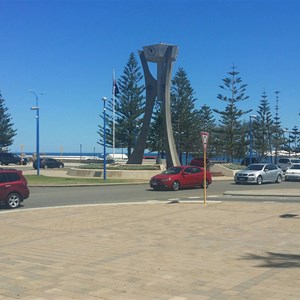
204, 136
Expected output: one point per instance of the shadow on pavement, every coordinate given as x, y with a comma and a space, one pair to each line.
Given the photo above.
276, 260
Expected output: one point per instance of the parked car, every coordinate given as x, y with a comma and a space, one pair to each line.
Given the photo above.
13, 187
176, 178
11, 158
46, 163
285, 163
259, 173
246, 161
293, 173
199, 161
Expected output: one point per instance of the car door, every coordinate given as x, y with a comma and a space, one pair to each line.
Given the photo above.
273, 173
51, 163
187, 177
6, 184
270, 173
3, 188
197, 176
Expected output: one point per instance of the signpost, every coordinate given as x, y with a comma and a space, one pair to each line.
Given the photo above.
204, 136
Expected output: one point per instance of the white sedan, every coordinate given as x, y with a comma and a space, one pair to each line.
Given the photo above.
293, 172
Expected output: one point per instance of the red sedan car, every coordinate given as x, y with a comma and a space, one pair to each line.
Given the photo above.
180, 177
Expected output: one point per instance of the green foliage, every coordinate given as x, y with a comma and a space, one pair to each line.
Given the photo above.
231, 128
206, 123
7, 133
184, 114
278, 133
263, 127
294, 138
129, 108
156, 139
130, 104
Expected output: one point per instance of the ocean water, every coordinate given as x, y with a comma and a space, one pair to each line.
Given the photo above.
100, 155
65, 154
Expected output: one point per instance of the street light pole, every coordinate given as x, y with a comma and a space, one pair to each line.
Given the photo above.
104, 137
37, 116
251, 138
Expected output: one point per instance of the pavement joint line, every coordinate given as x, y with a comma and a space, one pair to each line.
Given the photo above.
80, 205
101, 204
153, 201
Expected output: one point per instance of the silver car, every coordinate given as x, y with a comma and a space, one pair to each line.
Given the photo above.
285, 163
259, 173
293, 173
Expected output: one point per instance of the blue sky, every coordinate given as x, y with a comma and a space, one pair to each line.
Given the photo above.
68, 50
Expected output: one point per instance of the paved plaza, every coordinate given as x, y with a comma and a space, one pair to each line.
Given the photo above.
154, 251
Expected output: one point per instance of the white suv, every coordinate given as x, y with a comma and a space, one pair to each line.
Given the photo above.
285, 163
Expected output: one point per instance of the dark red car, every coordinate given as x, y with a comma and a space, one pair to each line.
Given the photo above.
13, 187
180, 177
199, 161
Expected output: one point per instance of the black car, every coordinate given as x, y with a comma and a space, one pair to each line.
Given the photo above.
11, 158
46, 163
246, 162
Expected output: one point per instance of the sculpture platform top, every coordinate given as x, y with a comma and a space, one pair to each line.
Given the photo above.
156, 53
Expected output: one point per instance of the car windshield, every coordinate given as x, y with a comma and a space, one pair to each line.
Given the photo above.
295, 167
255, 167
173, 170
294, 161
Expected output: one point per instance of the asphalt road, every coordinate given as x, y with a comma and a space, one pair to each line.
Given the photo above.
60, 196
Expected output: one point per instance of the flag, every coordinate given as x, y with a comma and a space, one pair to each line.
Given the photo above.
115, 88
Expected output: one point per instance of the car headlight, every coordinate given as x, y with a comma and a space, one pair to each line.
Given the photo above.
166, 179
251, 174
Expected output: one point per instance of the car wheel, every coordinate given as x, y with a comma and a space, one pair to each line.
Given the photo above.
13, 200
45, 167
176, 186
279, 178
60, 166
259, 180
1, 162
207, 184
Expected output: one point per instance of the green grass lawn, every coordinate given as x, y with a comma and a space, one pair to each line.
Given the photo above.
46, 180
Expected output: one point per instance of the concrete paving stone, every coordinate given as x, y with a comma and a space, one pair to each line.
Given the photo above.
224, 251
191, 296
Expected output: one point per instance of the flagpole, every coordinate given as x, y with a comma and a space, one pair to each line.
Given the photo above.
113, 98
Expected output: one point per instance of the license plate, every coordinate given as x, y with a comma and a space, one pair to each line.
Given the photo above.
154, 183
241, 178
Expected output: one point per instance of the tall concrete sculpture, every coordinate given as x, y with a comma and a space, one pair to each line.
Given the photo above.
163, 55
